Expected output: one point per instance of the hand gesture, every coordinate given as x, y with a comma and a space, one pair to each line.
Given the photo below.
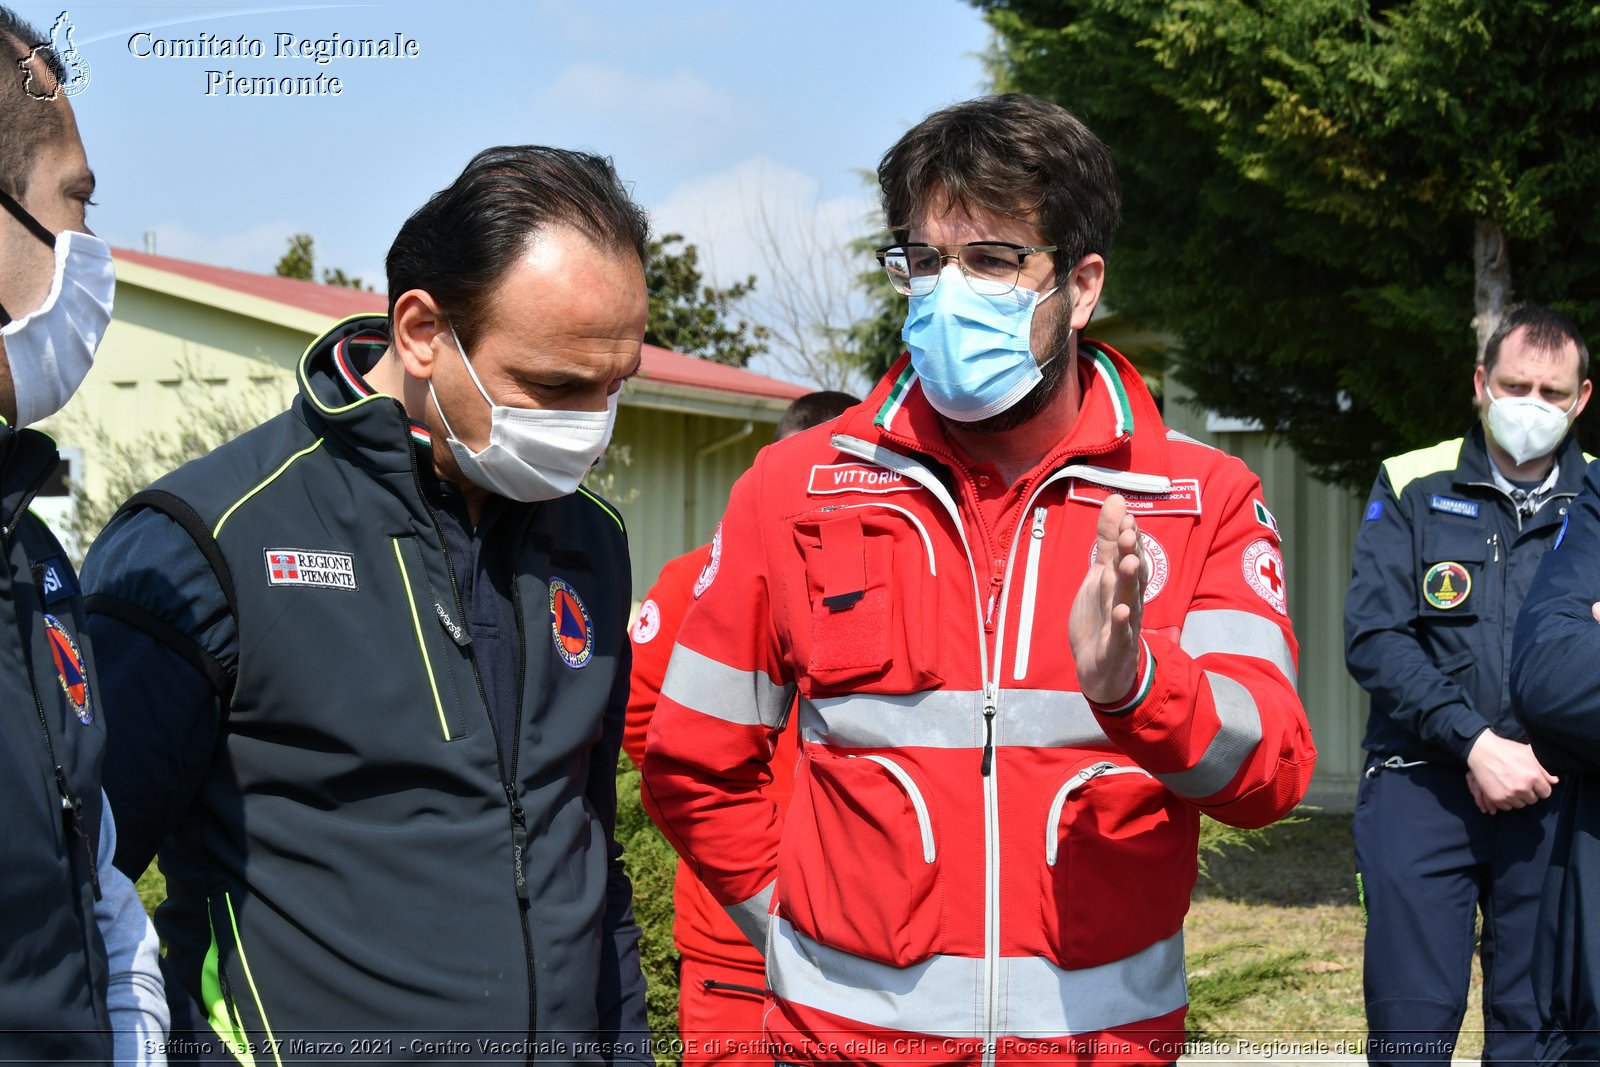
1104, 626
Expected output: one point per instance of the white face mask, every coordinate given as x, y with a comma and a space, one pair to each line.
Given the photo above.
1525, 426
51, 348
532, 454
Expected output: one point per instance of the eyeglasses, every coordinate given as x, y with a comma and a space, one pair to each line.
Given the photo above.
990, 267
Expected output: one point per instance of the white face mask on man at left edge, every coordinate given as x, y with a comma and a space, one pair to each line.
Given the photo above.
51, 348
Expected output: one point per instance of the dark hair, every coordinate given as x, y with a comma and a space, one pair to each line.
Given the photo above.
1548, 330
1015, 155
813, 409
26, 123
458, 245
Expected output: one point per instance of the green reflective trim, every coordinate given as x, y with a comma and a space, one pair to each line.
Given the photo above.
217, 531
897, 395
1405, 469
1361, 895
422, 642
224, 1021
607, 508
255, 994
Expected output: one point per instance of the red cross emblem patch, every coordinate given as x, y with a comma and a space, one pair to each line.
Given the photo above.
1263, 570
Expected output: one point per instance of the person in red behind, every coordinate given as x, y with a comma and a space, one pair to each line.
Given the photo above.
722, 984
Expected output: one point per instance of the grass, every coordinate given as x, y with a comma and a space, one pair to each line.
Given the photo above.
1274, 941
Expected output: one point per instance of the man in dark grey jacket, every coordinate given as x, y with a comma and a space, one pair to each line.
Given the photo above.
370, 659
78, 978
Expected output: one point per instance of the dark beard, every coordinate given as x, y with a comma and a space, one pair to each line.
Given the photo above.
1053, 375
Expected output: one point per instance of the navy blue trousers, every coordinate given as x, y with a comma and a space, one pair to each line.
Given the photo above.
1427, 861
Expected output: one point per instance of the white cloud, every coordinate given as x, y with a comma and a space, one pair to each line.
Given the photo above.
763, 218
741, 216
678, 117
256, 249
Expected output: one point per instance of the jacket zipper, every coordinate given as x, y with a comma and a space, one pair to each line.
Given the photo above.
519, 824
927, 542
1052, 841
918, 802
1030, 590
71, 806
1142, 483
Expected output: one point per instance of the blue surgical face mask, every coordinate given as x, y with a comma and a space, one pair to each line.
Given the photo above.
970, 350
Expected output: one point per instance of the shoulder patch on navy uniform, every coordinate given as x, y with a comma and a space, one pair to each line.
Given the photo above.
54, 578
1451, 506
570, 625
69, 668
1374, 511
1446, 585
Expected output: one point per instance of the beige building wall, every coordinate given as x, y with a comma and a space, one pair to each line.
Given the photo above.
1318, 523
683, 448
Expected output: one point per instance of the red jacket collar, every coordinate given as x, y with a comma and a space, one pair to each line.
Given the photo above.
1117, 412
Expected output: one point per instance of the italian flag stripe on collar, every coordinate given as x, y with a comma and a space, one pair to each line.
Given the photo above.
1119, 396
897, 397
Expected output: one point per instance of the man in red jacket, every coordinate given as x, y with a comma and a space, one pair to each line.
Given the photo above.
722, 983
1033, 635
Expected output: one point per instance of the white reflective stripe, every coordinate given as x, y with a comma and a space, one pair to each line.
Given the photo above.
1115, 479
1238, 633
1052, 836
940, 996
1236, 739
917, 801
1030, 592
949, 718
753, 917
927, 542
748, 698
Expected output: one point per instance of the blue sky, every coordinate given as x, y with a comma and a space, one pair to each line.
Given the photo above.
717, 113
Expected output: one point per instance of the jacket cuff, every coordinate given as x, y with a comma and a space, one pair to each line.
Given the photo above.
1456, 728
1144, 677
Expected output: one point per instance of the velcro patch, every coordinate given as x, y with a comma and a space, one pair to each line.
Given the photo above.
1451, 506
54, 577
299, 566
1182, 499
827, 478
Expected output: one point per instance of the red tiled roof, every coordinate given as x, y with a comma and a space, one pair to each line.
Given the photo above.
337, 302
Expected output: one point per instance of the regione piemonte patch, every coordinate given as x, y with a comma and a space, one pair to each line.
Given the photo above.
300, 566
1263, 569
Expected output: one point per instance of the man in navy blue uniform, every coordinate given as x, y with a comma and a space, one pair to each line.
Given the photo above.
1557, 646
1455, 811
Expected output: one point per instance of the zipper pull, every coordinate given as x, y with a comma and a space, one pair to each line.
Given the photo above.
1494, 542
990, 707
519, 847
1038, 524
457, 633
72, 815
